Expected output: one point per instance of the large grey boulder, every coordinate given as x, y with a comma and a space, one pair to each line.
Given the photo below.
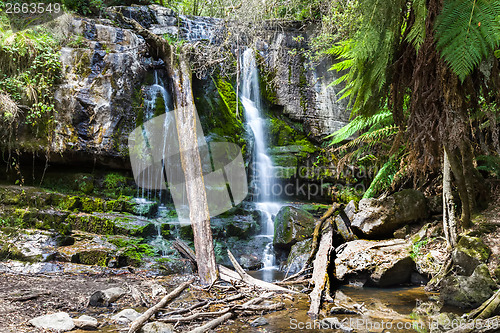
125, 316
383, 264
86, 322
106, 297
381, 217
292, 225
468, 291
60, 322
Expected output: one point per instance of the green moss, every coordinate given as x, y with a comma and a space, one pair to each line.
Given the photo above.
474, 247
10, 251
92, 257
159, 105
135, 249
70, 202
82, 64
91, 223
267, 80
90, 205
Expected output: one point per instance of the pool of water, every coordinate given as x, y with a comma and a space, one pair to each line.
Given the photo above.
384, 311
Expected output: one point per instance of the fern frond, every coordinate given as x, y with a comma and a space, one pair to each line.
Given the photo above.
466, 32
360, 123
416, 35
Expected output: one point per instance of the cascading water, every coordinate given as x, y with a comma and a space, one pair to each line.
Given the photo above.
156, 96
263, 179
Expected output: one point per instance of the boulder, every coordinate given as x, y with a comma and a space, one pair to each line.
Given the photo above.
125, 316
261, 321
88, 251
381, 217
383, 263
468, 291
474, 247
298, 256
464, 264
60, 322
106, 297
292, 225
86, 323
157, 327
250, 261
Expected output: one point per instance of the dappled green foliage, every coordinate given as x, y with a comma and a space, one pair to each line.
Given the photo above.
29, 69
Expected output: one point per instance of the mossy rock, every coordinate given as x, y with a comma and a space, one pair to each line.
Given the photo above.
91, 205
91, 223
468, 291
109, 224
92, 257
70, 202
10, 251
292, 225
474, 247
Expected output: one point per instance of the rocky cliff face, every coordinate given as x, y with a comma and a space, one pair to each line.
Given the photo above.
107, 71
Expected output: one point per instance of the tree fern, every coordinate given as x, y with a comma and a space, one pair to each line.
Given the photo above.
384, 177
416, 35
466, 32
361, 123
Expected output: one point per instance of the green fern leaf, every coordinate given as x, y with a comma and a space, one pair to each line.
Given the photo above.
466, 32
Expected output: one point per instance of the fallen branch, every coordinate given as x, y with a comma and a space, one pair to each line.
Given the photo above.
139, 322
253, 281
217, 321
26, 297
182, 311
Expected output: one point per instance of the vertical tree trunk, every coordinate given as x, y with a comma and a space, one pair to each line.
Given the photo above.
449, 217
455, 160
185, 116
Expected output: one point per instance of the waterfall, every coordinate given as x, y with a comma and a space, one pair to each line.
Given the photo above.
156, 93
263, 179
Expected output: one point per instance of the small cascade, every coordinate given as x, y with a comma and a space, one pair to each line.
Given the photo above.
157, 99
262, 179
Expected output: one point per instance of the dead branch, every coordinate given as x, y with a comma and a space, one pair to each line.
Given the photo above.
139, 322
182, 311
217, 321
26, 297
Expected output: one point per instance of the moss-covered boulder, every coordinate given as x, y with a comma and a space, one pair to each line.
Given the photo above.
292, 225
298, 256
474, 247
468, 291
88, 250
110, 224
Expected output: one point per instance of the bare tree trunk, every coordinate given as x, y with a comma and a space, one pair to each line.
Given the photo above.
185, 119
449, 216
454, 157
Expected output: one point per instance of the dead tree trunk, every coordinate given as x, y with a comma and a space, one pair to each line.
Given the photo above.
449, 216
185, 116
320, 276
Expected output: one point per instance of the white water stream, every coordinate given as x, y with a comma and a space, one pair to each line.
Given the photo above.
263, 179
